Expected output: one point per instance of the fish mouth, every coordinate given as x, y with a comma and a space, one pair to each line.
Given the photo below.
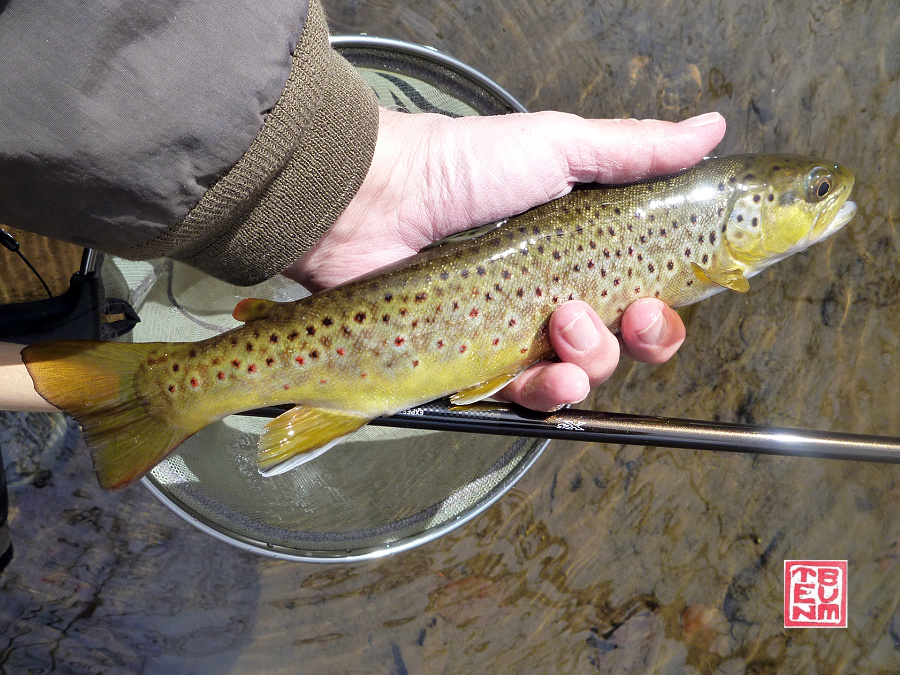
841, 218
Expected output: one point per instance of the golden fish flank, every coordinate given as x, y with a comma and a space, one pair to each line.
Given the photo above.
462, 318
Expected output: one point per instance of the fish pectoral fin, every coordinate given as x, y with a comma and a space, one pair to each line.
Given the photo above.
732, 279
481, 391
251, 309
301, 434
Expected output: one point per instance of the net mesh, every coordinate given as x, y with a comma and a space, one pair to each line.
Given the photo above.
381, 488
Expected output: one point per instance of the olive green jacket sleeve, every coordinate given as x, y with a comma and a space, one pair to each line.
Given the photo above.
225, 134
295, 179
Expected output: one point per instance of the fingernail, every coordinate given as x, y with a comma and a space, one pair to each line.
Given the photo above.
701, 120
652, 333
580, 332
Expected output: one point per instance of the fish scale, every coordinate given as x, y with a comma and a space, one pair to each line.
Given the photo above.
461, 318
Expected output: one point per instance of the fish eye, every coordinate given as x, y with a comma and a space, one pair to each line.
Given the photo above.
818, 184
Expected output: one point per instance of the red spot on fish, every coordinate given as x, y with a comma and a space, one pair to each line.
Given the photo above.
341, 351
287, 386
440, 344
523, 350
171, 388
538, 292
474, 312
415, 364
221, 375
362, 374
512, 322
496, 342
194, 382
399, 341
251, 368
462, 349
300, 360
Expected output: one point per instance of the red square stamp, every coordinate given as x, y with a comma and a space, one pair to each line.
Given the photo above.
815, 593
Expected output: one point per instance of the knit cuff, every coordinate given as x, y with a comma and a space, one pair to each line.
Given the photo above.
298, 176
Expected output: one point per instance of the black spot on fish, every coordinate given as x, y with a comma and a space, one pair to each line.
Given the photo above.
270, 361
464, 274
700, 239
693, 217
327, 321
650, 268
293, 335
556, 255
273, 338
687, 252
175, 367
740, 218
488, 296
310, 330
712, 237
360, 317
612, 232
346, 331
591, 264
314, 354
555, 278
705, 259
579, 248
617, 281
617, 211
670, 265
721, 187
481, 271
757, 198
386, 318
724, 227
592, 244
576, 268
754, 222
506, 274
512, 322
249, 346
520, 292
421, 296
455, 305
445, 275
236, 363
603, 272
663, 232
538, 292
771, 197
541, 249
388, 297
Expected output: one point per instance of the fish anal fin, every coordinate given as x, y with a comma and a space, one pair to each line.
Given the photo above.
251, 309
732, 279
302, 433
481, 391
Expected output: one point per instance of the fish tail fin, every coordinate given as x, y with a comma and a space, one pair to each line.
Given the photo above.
95, 383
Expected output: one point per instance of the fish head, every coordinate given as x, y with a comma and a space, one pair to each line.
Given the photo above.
783, 204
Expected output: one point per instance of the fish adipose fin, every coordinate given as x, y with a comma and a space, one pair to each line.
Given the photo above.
94, 382
252, 309
732, 279
481, 391
301, 434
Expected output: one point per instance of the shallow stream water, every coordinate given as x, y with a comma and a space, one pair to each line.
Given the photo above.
603, 558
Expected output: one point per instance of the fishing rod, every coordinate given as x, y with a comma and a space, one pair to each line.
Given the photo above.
603, 427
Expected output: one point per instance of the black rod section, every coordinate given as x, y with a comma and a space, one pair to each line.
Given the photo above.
601, 427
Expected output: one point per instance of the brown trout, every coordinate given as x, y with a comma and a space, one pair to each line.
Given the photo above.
462, 318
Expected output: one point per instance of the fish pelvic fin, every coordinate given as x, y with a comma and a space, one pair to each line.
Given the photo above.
95, 383
301, 434
481, 391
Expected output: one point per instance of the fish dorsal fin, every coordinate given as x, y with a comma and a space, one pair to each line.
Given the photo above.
481, 391
300, 434
732, 279
252, 309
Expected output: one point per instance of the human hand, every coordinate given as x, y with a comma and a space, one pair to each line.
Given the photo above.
432, 176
